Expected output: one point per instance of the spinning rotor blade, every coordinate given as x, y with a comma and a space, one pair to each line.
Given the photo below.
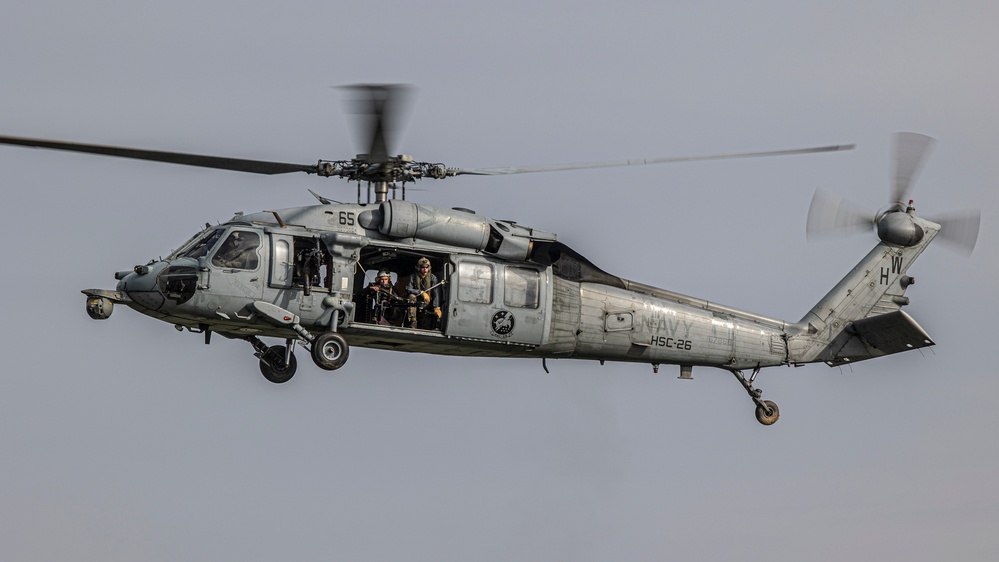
638, 162
381, 108
960, 229
218, 162
911, 150
829, 214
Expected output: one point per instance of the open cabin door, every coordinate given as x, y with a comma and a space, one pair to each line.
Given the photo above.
494, 301
299, 276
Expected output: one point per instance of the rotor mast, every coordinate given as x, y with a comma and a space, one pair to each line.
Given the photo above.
381, 191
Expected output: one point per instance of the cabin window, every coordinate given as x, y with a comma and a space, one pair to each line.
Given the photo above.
281, 263
521, 287
239, 251
475, 282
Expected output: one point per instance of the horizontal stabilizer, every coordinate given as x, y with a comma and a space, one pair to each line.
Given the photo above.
875, 336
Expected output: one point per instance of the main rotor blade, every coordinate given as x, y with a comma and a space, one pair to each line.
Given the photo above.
960, 229
829, 214
218, 162
911, 150
381, 108
640, 162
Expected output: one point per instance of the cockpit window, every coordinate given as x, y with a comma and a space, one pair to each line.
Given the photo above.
239, 251
202, 246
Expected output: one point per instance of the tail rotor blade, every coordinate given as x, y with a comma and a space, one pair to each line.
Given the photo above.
829, 214
960, 229
911, 150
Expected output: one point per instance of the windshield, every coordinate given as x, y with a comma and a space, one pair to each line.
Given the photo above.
202, 246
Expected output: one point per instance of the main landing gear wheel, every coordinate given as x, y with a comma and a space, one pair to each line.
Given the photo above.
767, 412
330, 350
273, 367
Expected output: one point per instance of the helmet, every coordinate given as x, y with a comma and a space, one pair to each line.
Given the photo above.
423, 261
384, 272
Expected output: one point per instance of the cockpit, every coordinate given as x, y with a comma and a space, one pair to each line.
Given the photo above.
200, 244
236, 250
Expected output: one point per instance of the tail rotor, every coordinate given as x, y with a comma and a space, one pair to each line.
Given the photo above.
959, 229
830, 214
911, 151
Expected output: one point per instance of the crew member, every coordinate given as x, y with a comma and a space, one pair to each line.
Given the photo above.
238, 251
380, 295
423, 292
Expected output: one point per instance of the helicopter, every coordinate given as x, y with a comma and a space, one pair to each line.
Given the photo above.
390, 274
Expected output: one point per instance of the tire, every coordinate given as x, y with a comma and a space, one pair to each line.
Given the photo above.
273, 368
763, 417
330, 351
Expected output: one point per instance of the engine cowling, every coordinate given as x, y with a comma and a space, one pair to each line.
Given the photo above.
402, 219
455, 227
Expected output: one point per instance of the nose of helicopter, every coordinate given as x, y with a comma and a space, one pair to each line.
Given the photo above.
141, 285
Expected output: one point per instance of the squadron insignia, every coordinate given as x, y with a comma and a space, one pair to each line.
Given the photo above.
503, 323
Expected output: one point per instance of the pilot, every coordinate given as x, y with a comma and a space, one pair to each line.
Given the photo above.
423, 292
238, 251
380, 295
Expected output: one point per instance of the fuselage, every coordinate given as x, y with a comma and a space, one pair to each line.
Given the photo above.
505, 290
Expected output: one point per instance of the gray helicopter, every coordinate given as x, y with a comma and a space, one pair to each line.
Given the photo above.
390, 274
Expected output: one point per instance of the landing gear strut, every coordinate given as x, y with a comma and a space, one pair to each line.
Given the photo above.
766, 410
277, 362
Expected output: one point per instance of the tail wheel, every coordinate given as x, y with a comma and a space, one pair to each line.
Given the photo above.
767, 413
273, 367
330, 350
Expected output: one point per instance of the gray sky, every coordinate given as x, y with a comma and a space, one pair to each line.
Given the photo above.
126, 440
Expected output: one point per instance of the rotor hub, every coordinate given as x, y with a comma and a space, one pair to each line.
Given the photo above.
900, 228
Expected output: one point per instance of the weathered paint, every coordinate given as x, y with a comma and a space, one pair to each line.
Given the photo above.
604, 318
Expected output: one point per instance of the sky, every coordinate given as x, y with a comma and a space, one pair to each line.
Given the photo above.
127, 440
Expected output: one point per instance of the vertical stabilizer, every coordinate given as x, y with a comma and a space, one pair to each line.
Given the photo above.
841, 327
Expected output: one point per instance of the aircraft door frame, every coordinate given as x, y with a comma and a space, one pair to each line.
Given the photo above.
497, 301
285, 289
239, 280
282, 262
